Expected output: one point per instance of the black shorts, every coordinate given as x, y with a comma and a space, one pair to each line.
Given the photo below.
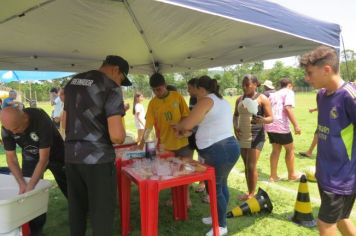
281, 139
335, 207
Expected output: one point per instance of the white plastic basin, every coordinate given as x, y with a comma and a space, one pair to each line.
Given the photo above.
15, 209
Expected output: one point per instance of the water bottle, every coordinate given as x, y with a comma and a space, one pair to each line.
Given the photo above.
150, 143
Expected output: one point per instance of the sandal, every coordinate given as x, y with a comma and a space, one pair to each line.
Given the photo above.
244, 197
206, 199
200, 188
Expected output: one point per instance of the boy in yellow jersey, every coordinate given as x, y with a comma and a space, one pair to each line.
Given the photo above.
164, 110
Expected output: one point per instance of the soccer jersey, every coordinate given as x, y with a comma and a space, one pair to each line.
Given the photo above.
336, 158
162, 113
279, 100
90, 99
41, 133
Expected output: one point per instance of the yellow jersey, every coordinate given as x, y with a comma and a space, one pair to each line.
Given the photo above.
162, 113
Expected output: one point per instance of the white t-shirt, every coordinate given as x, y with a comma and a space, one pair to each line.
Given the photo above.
139, 115
58, 107
216, 125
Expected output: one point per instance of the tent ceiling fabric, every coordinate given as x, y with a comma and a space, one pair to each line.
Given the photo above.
169, 36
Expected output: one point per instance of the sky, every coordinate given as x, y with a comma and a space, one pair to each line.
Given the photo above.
341, 12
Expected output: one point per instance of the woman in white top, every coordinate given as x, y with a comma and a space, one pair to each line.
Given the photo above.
215, 140
139, 113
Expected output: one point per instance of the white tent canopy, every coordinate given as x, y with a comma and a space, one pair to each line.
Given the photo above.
175, 35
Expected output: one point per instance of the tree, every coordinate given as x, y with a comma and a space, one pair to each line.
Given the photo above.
348, 65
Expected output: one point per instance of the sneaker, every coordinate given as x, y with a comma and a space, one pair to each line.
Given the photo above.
207, 220
222, 231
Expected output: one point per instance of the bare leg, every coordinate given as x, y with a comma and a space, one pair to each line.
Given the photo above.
276, 151
312, 146
290, 161
346, 227
244, 155
253, 156
139, 135
326, 229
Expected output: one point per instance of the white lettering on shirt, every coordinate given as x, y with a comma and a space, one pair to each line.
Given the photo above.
82, 82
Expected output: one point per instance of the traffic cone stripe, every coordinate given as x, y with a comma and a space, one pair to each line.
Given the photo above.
303, 207
303, 197
303, 188
245, 208
306, 217
260, 202
302, 210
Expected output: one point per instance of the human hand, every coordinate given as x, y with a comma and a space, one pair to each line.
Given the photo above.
297, 130
257, 119
29, 187
22, 188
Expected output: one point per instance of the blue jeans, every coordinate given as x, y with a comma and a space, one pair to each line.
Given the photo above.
222, 156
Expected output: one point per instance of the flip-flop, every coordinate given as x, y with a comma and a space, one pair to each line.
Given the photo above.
304, 154
274, 180
243, 197
200, 188
206, 199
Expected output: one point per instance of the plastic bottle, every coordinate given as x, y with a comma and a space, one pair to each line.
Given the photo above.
150, 143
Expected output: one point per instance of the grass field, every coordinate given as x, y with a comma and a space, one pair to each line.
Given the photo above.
283, 194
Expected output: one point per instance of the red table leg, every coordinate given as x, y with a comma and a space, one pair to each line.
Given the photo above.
118, 165
149, 215
180, 202
213, 204
26, 229
125, 206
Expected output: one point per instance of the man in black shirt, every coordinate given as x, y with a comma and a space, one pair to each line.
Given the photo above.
42, 148
93, 111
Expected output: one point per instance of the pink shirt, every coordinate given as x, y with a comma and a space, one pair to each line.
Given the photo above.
279, 100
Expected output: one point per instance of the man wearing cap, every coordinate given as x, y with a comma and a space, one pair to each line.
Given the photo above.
268, 88
93, 111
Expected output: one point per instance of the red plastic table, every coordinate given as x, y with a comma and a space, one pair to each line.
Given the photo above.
149, 197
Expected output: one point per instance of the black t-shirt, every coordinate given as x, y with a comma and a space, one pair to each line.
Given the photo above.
41, 133
90, 98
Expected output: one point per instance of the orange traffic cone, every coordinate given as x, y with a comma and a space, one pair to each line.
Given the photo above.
260, 202
302, 210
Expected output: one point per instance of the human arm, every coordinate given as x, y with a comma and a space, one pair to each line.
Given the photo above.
293, 120
196, 115
268, 117
235, 118
39, 169
311, 110
13, 164
116, 129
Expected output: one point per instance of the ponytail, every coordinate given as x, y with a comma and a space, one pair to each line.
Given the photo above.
210, 85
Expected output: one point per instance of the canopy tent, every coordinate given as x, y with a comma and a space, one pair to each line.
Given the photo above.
9, 76
166, 36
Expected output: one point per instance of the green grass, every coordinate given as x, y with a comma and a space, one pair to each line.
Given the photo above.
282, 194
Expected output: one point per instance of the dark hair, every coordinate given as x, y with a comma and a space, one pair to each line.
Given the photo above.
193, 82
209, 84
53, 90
136, 96
251, 78
156, 80
171, 87
321, 56
284, 82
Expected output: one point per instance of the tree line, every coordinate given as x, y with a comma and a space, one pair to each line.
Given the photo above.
228, 77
